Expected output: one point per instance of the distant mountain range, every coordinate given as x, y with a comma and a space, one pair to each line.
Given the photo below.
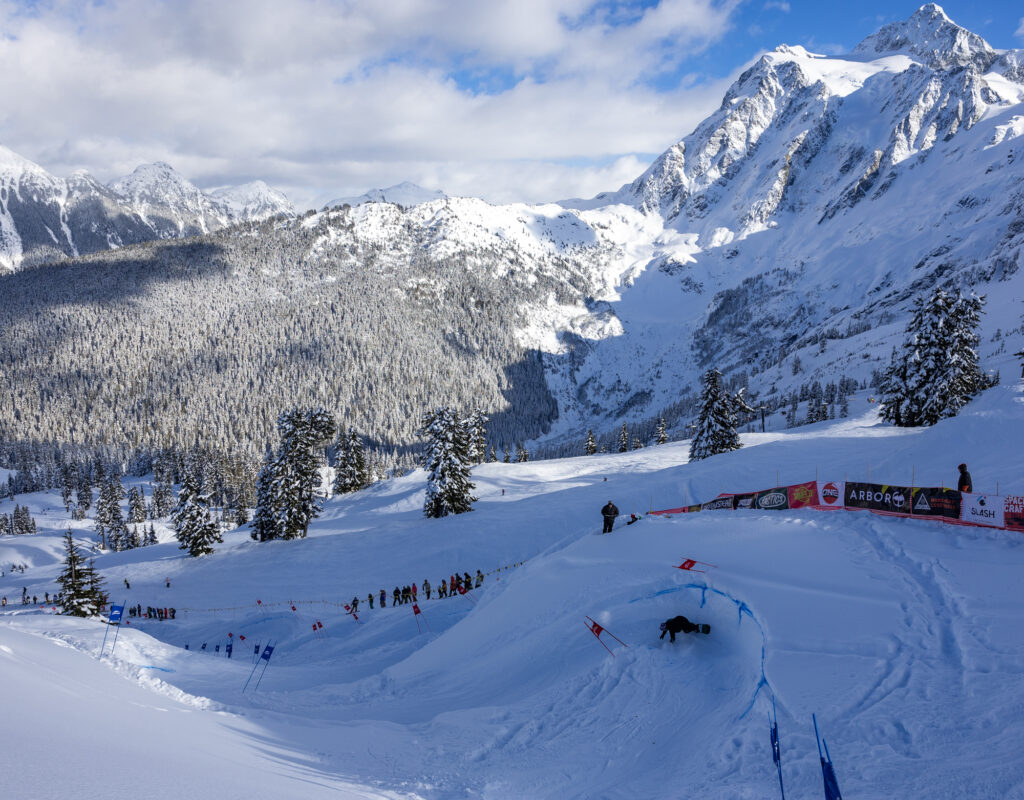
783, 241
43, 217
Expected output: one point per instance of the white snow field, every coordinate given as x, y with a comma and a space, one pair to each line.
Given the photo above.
905, 637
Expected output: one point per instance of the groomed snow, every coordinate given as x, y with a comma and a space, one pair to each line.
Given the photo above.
906, 638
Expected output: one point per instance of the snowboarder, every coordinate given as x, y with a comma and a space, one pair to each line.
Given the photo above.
964, 483
681, 625
426, 588
609, 512
168, 582
126, 584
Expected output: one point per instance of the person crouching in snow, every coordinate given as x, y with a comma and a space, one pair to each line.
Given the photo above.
677, 625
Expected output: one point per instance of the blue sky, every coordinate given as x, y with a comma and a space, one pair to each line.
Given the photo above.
504, 99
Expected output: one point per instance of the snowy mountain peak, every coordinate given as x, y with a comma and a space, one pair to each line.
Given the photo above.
405, 194
156, 182
253, 200
932, 37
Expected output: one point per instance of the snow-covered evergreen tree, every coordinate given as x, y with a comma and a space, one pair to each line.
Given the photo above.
661, 436
936, 372
136, 505
264, 520
151, 535
522, 454
287, 497
477, 424
81, 587
194, 526
716, 423
69, 479
350, 464
590, 446
623, 439
637, 444
449, 488
493, 457
507, 458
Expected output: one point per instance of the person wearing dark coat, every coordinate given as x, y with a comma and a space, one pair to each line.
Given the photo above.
677, 625
609, 512
383, 599
964, 483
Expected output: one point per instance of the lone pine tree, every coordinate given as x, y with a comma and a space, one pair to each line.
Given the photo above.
716, 423
447, 461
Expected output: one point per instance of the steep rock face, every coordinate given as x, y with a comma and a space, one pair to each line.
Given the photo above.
932, 38
45, 218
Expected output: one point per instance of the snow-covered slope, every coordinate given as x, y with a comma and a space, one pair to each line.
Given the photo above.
44, 218
905, 637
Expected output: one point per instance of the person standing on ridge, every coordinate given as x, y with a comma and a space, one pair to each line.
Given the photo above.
609, 512
383, 599
963, 483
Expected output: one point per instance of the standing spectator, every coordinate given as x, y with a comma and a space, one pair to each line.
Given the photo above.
479, 578
609, 512
397, 597
383, 599
355, 604
414, 593
369, 599
426, 588
964, 483
442, 589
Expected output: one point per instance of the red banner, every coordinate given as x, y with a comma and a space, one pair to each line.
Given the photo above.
803, 494
1013, 512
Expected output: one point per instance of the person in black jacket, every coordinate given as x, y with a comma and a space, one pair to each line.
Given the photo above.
677, 625
964, 483
609, 512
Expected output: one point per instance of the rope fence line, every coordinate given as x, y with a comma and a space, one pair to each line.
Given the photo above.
288, 604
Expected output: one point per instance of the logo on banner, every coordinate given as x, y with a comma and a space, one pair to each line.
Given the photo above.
803, 494
830, 493
717, 503
922, 504
772, 500
982, 509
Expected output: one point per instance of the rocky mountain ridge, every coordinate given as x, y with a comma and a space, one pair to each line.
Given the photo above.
46, 218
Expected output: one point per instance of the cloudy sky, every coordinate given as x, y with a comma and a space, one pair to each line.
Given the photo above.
503, 99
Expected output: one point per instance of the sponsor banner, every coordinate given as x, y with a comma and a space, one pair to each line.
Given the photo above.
720, 502
830, 494
1013, 512
743, 500
680, 510
935, 502
772, 499
982, 509
877, 497
803, 494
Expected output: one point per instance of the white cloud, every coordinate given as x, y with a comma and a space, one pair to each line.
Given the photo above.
777, 5
324, 99
1020, 28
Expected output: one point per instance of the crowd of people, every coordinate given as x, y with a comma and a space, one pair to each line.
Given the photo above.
151, 612
447, 587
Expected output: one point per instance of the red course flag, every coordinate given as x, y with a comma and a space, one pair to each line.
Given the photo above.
314, 627
596, 629
416, 609
319, 624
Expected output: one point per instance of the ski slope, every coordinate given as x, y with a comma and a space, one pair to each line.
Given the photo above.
906, 637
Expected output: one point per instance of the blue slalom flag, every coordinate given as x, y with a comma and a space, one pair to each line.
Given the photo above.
229, 648
116, 612
267, 652
776, 749
828, 773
